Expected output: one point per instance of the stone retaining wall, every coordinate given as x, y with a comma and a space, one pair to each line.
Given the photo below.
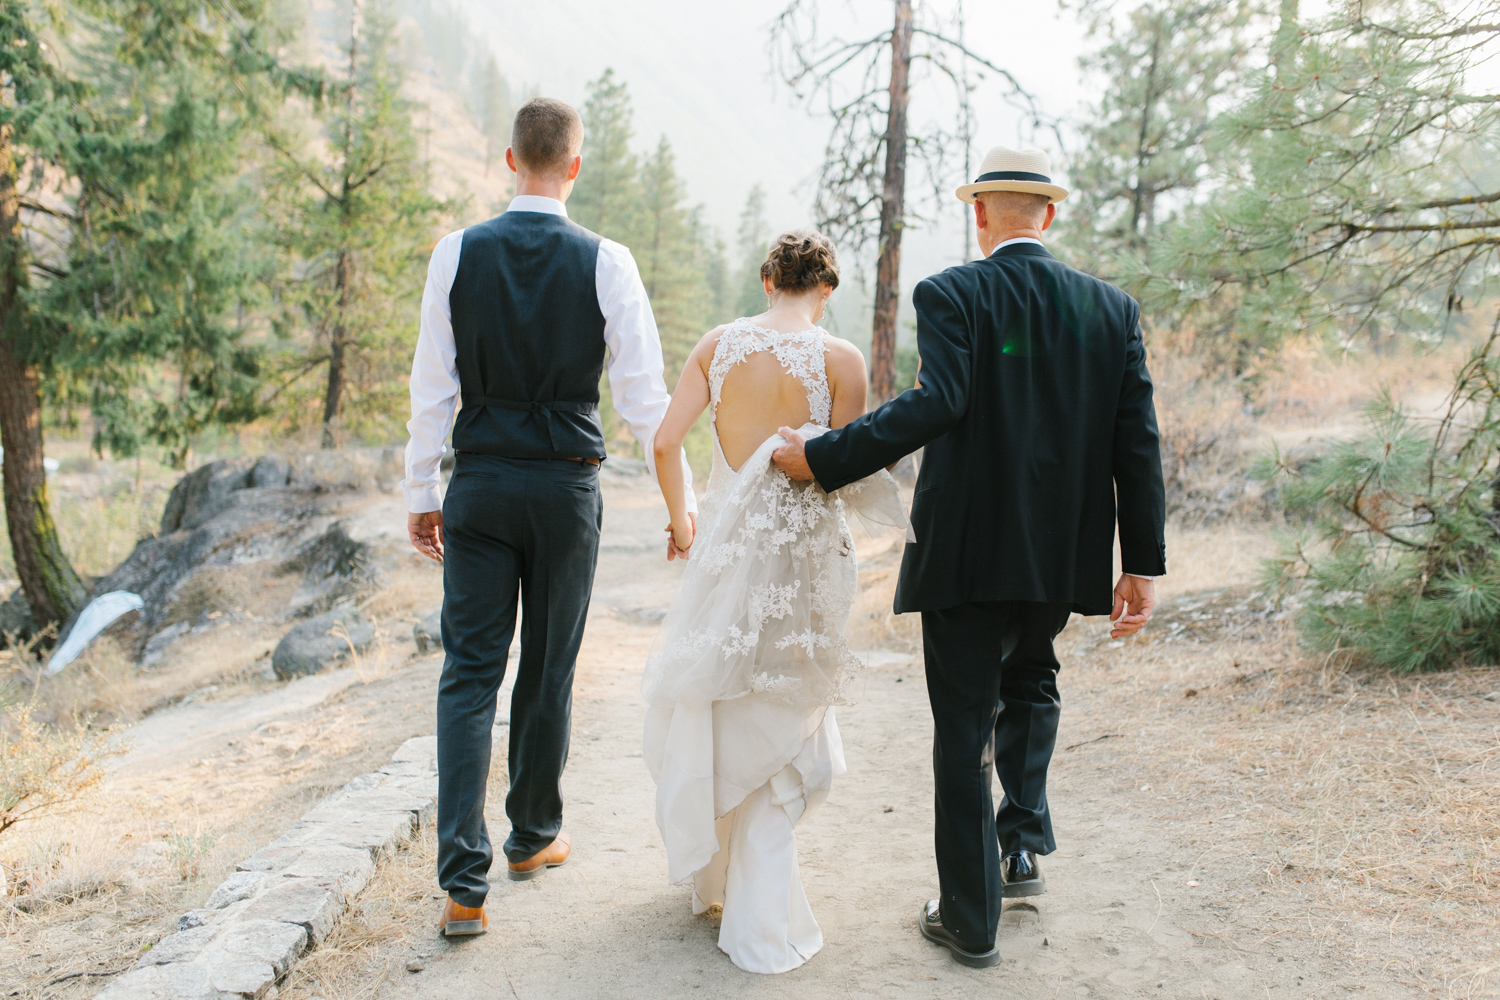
285, 898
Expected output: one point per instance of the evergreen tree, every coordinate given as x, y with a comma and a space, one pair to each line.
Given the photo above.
1165, 68
121, 246
1400, 563
752, 241
607, 197
1360, 197
494, 112
671, 254
356, 217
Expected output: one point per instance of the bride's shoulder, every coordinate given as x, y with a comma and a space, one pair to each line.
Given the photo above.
703, 351
843, 355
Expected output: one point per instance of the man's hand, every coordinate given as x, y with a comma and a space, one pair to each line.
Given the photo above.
791, 457
1135, 599
673, 552
426, 533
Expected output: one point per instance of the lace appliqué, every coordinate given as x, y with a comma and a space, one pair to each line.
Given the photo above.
803, 355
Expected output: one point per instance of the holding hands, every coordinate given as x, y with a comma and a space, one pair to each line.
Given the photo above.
680, 539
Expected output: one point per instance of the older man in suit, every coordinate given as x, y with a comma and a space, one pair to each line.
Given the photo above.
1034, 406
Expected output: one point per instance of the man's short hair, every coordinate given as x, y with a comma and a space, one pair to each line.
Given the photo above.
546, 136
1014, 204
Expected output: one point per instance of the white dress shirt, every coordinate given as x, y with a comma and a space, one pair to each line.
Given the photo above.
1018, 239
1028, 239
636, 386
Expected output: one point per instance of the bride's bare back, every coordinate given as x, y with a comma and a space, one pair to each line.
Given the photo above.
767, 378
759, 395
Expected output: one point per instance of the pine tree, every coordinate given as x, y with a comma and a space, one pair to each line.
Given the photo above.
671, 256
607, 196
123, 140
356, 219
1356, 201
494, 112
752, 241
1165, 68
1400, 563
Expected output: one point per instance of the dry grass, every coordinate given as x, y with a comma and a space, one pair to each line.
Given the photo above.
388, 925
1355, 809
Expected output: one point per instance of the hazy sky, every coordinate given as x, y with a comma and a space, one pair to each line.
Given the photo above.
701, 74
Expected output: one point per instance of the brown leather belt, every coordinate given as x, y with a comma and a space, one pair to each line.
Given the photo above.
590, 461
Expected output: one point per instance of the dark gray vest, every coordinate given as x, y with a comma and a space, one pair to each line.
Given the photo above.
529, 337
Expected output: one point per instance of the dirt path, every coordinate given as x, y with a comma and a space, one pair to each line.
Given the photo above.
1131, 910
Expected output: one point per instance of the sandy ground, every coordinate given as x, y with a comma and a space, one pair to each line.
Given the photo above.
1133, 907
1213, 844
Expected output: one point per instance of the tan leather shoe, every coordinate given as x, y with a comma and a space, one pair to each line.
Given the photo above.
551, 856
462, 921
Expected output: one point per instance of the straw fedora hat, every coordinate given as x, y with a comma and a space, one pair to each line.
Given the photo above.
1027, 170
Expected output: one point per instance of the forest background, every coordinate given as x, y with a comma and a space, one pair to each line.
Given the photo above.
216, 217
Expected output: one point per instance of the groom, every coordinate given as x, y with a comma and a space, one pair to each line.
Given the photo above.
1034, 404
519, 316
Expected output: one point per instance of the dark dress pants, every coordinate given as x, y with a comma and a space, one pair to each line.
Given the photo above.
526, 528
992, 682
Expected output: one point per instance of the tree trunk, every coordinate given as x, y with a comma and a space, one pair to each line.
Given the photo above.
337, 341
52, 587
892, 215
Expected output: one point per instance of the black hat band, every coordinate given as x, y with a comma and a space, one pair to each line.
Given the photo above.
1013, 175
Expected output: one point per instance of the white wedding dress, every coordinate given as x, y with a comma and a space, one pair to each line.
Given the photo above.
750, 660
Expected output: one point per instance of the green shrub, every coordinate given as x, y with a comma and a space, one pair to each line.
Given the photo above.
1398, 560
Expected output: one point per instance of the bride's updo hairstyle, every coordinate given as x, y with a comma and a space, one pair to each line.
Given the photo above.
801, 260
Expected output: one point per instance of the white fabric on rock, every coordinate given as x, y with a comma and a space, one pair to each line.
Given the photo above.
740, 731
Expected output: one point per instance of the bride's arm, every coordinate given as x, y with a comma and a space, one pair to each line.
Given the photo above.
688, 402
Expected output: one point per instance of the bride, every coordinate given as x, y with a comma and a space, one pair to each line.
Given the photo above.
740, 732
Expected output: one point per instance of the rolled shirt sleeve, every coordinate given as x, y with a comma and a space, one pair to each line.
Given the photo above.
434, 382
636, 382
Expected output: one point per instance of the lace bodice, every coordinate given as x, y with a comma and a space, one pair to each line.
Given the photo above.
803, 355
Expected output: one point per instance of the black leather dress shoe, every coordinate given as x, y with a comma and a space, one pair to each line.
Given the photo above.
1021, 876
930, 923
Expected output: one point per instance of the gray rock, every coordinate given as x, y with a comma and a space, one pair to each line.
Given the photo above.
246, 979
315, 904
277, 943
321, 642
184, 946
201, 494
240, 885
349, 866
428, 633
270, 471
194, 918
333, 567
420, 750
15, 616
177, 981
415, 965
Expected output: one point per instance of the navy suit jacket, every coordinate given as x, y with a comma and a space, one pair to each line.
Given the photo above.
1034, 405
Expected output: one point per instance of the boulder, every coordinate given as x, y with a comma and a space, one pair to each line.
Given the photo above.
202, 493
321, 642
270, 471
428, 633
15, 617
333, 567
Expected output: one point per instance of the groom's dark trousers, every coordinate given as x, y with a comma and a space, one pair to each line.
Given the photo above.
1034, 408
524, 528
